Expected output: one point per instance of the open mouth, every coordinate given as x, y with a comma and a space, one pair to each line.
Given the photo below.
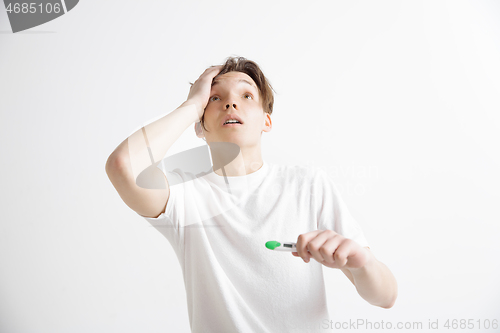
232, 122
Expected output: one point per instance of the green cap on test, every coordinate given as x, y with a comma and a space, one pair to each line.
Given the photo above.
271, 245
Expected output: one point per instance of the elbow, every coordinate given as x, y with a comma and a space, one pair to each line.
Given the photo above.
113, 164
389, 305
392, 294
108, 165
391, 302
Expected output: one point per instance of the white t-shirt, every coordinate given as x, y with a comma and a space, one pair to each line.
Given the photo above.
218, 227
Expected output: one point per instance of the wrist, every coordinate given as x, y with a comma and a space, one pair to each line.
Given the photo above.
370, 262
198, 105
195, 110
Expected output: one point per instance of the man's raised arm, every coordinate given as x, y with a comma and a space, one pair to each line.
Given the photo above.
149, 145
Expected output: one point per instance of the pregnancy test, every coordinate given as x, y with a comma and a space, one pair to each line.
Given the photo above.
277, 246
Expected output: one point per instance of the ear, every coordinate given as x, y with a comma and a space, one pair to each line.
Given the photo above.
198, 130
268, 124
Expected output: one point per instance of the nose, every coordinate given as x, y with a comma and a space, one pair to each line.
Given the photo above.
234, 105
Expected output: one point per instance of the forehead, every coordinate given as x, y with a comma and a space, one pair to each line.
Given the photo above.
233, 78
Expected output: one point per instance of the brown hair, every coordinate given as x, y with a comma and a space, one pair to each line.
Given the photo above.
249, 67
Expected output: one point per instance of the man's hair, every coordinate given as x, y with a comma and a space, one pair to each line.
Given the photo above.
249, 67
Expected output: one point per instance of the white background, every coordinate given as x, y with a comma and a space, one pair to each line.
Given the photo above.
397, 100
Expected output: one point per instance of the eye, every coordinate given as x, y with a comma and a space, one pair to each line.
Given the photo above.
249, 95
211, 98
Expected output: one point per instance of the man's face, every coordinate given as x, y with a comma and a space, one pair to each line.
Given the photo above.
235, 95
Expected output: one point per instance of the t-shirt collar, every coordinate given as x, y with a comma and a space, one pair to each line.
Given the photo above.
251, 179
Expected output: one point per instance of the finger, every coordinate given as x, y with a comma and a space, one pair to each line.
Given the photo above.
296, 254
211, 72
315, 245
302, 242
328, 249
342, 253
213, 69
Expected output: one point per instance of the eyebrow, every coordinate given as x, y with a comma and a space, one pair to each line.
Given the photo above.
241, 80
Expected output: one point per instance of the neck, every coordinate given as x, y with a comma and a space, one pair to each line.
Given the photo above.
248, 160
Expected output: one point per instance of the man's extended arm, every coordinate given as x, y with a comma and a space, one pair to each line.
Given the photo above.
372, 279
374, 282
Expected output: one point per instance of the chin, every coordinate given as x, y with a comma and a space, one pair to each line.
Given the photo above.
236, 139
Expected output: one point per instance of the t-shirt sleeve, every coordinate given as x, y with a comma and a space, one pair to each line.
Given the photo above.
192, 201
332, 211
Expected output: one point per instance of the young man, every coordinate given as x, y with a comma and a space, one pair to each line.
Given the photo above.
219, 222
